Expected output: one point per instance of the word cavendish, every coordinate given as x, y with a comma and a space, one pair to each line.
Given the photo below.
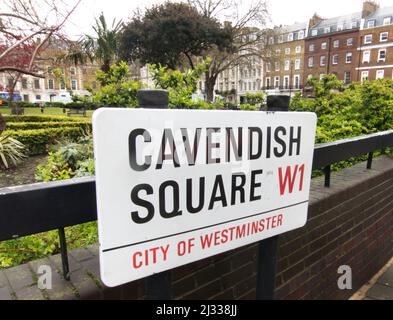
180, 149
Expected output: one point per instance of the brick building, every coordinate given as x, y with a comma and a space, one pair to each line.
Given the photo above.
375, 49
283, 73
331, 47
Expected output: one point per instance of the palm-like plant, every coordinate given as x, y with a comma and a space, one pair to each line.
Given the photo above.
11, 150
101, 47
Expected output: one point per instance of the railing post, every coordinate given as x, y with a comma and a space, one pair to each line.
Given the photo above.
158, 286
64, 256
267, 249
370, 160
327, 170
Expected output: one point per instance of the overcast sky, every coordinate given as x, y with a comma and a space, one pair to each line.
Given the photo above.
282, 11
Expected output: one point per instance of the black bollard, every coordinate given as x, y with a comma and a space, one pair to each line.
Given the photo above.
158, 286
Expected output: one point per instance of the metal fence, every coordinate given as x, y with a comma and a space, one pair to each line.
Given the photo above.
41, 207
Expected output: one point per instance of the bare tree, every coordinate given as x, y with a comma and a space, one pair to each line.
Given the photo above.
29, 24
249, 35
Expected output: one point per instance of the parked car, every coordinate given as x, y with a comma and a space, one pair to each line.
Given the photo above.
4, 97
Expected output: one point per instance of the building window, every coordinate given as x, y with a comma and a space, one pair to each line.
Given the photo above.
290, 37
368, 39
287, 65
347, 77
38, 97
298, 49
387, 21
281, 39
336, 43
287, 50
382, 55
366, 57
268, 66
371, 24
354, 25
297, 64
286, 82
267, 83
62, 84
380, 74
311, 62
322, 61
36, 84
276, 82
301, 34
383, 37
26, 98
271, 40
72, 71
364, 76
24, 83
51, 84
297, 81
314, 32
311, 47
340, 27
349, 42
74, 85
335, 59
277, 66
323, 45
348, 57
327, 30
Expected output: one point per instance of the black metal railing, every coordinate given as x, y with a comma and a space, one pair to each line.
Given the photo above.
31, 209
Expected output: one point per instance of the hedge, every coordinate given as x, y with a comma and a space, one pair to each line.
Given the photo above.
42, 118
36, 141
47, 125
69, 105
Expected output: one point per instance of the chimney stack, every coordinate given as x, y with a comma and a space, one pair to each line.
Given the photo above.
315, 20
369, 7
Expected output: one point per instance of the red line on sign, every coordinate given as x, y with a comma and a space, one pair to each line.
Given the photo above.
211, 226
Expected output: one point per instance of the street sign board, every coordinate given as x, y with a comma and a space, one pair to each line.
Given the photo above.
177, 186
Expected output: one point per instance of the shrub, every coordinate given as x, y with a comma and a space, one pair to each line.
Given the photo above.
74, 105
53, 104
249, 107
36, 141
11, 151
40, 118
47, 125
68, 160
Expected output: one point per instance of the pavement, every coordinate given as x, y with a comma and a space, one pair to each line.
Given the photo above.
380, 287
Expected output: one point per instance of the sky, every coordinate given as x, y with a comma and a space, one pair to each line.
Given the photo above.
281, 11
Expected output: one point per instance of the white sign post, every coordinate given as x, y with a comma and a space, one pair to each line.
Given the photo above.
177, 186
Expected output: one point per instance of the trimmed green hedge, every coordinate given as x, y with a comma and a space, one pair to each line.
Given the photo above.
47, 125
43, 118
36, 141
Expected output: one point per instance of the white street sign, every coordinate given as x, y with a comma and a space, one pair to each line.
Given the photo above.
177, 186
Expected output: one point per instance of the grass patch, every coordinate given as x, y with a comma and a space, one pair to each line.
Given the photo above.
48, 111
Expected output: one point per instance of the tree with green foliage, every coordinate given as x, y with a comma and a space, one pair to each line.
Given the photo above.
103, 46
181, 85
169, 33
117, 89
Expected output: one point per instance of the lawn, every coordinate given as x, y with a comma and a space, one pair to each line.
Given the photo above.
47, 111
